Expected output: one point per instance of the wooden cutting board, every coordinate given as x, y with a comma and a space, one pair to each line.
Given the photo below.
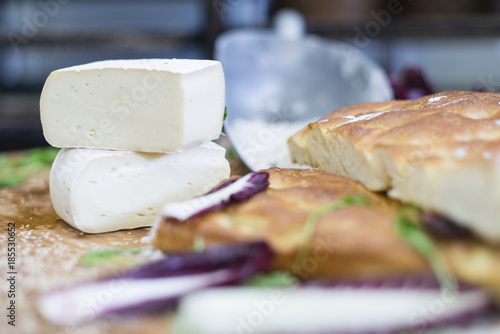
48, 256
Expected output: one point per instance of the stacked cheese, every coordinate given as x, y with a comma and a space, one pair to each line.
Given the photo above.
135, 135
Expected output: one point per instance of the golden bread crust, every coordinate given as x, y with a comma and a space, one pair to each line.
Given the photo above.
441, 152
350, 241
353, 241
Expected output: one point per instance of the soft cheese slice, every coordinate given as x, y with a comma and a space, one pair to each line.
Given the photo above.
148, 105
104, 190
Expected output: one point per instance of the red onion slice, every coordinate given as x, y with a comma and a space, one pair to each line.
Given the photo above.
340, 308
230, 191
425, 281
157, 285
442, 227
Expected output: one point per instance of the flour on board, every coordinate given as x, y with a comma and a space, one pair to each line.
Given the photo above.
365, 117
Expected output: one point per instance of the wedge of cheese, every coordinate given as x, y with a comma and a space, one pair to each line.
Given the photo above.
148, 105
107, 190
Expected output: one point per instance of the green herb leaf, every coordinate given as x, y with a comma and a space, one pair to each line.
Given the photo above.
273, 278
41, 155
225, 114
313, 218
3, 159
13, 171
231, 152
111, 255
411, 232
199, 243
408, 228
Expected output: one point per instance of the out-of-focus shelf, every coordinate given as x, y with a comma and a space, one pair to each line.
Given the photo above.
428, 26
18, 109
20, 125
135, 38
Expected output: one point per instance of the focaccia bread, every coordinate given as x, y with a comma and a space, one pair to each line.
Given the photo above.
355, 240
441, 152
352, 241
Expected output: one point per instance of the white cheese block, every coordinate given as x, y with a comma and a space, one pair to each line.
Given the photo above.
107, 190
148, 105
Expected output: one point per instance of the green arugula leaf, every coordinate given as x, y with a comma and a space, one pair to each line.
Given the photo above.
274, 279
231, 152
199, 243
411, 232
408, 228
41, 155
3, 159
313, 218
111, 255
13, 171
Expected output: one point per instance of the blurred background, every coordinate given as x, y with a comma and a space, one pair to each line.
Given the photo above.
453, 44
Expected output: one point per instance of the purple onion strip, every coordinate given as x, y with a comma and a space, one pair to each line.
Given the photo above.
443, 227
230, 191
156, 286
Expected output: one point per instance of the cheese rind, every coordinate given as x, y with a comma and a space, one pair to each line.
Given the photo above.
104, 190
148, 105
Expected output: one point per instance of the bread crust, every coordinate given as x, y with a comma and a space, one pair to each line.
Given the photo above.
354, 241
441, 152
348, 242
